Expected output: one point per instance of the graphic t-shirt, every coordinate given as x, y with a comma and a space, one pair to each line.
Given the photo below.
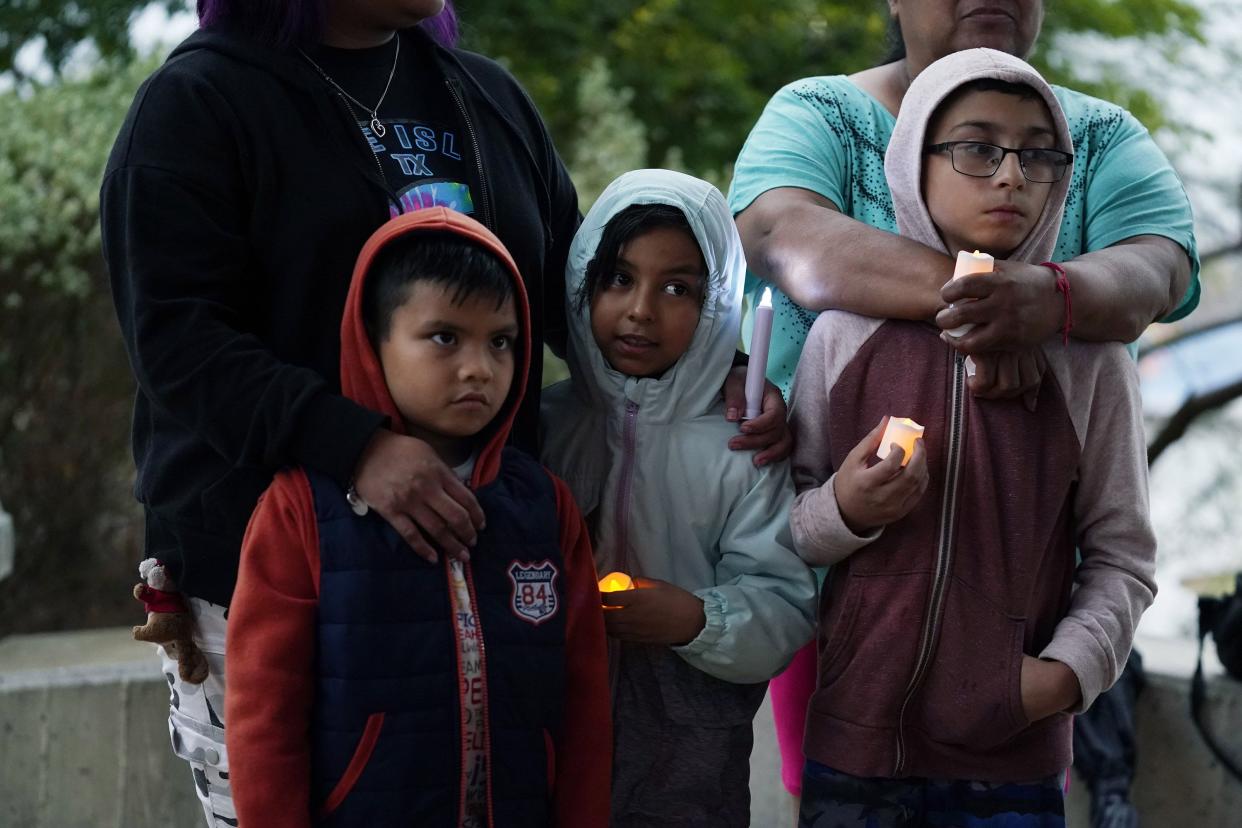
424, 153
828, 136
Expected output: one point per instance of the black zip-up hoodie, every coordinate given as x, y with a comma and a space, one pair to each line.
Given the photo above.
235, 201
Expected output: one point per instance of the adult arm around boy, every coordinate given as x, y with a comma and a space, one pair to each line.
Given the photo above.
824, 259
271, 647
1117, 292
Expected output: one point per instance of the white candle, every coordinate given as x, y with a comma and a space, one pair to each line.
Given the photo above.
757, 365
968, 263
904, 432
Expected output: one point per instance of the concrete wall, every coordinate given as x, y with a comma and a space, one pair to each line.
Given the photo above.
84, 735
84, 742
1179, 783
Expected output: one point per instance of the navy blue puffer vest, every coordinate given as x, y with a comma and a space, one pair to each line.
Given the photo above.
387, 707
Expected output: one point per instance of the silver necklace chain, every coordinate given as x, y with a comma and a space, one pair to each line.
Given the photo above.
378, 128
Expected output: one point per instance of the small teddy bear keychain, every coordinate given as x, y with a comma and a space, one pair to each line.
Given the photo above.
168, 621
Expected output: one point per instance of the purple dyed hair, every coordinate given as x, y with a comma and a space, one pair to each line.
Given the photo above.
288, 23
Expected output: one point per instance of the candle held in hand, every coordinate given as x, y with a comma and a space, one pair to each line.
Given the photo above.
615, 582
968, 263
904, 432
757, 365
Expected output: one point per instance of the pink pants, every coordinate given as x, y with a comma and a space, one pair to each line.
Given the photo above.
791, 692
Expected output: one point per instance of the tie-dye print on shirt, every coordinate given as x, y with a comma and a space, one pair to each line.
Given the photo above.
425, 165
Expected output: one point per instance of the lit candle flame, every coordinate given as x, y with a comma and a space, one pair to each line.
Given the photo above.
765, 301
615, 582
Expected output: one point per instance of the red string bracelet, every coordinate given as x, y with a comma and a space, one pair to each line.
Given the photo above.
1063, 286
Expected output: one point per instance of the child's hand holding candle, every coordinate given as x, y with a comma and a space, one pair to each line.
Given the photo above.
870, 496
654, 612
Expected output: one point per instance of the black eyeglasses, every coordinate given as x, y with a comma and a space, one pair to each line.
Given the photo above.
980, 160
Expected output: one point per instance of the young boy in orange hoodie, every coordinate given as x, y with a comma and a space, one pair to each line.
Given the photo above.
368, 686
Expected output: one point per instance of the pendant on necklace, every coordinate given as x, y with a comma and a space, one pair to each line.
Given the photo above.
378, 128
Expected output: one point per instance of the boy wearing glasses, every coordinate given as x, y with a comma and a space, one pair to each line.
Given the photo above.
953, 644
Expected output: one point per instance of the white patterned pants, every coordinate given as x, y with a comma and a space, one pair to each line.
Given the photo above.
196, 717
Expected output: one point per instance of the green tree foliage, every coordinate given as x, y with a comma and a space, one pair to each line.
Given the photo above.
65, 387
700, 71
610, 140
63, 25
1164, 26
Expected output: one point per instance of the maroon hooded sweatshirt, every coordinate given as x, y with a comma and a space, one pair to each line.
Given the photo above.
924, 623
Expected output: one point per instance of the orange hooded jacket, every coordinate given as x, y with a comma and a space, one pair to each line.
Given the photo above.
272, 619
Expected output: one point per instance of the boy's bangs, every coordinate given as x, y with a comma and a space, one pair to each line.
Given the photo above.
440, 258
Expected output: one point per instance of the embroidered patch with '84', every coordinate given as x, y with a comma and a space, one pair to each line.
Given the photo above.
534, 590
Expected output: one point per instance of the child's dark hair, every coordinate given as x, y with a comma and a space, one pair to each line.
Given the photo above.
1021, 90
438, 257
631, 222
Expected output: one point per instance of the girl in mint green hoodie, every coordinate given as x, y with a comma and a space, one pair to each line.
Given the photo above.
654, 286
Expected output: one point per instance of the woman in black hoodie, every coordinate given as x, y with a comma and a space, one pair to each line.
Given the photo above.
250, 170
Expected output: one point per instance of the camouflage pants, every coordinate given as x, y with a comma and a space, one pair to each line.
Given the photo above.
196, 717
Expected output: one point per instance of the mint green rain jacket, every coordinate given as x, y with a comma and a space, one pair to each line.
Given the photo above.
649, 463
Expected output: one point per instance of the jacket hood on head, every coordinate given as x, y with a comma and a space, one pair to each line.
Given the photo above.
362, 376
903, 162
692, 385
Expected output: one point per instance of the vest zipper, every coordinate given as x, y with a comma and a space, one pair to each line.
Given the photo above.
462, 688
944, 555
467, 574
484, 191
487, 718
627, 475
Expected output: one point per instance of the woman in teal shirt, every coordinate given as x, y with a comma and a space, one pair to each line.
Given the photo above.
817, 223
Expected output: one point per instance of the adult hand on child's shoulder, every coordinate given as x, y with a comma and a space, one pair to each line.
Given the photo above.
767, 435
1048, 687
1016, 306
874, 496
654, 612
404, 480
